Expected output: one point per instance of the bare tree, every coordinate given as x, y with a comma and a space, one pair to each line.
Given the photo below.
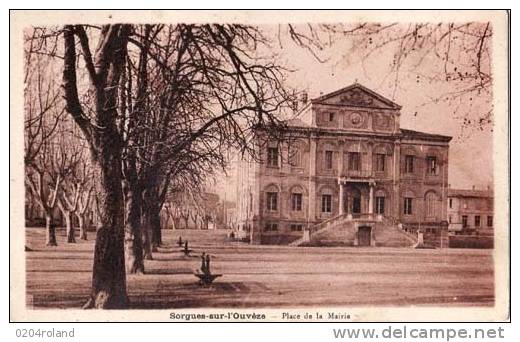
172, 213
45, 193
244, 93
148, 97
75, 187
185, 212
454, 57
192, 91
99, 127
43, 113
81, 212
43, 107
68, 208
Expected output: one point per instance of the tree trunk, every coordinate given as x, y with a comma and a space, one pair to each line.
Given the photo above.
50, 229
155, 222
175, 222
82, 228
69, 227
105, 143
147, 243
109, 276
149, 204
133, 239
145, 230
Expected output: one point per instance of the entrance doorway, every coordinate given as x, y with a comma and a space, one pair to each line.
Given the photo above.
356, 205
353, 200
364, 236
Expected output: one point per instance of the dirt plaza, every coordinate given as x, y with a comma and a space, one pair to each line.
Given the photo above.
266, 276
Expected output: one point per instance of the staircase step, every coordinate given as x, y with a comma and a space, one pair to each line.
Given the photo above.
342, 232
388, 236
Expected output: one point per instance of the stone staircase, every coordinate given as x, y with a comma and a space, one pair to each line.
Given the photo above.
341, 231
320, 228
343, 234
391, 236
329, 232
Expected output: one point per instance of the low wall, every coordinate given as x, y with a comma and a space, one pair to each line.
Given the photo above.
471, 241
279, 239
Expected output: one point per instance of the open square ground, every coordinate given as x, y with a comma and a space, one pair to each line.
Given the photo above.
266, 276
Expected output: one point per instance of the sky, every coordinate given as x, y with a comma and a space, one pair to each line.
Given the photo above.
470, 161
471, 149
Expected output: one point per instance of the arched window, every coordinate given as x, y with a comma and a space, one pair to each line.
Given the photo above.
271, 198
431, 203
326, 200
297, 193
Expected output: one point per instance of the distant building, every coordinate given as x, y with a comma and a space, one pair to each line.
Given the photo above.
226, 215
470, 211
350, 167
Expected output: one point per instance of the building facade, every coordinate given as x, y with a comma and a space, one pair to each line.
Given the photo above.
470, 212
349, 164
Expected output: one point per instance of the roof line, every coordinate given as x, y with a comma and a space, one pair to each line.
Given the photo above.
411, 132
362, 87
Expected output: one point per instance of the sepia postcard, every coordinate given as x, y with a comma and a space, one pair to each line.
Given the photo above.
259, 166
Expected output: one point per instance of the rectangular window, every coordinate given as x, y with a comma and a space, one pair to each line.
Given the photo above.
449, 219
331, 117
272, 156
296, 202
380, 162
408, 206
296, 227
477, 220
328, 160
271, 227
380, 205
354, 161
272, 201
464, 221
326, 203
431, 165
451, 203
409, 163
490, 221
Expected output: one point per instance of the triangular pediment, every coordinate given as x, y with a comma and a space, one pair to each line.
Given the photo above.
357, 95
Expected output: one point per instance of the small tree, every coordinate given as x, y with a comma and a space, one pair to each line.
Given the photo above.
43, 114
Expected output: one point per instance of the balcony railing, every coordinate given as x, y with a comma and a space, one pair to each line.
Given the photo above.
362, 174
366, 217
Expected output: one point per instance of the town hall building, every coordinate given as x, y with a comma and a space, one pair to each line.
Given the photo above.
350, 175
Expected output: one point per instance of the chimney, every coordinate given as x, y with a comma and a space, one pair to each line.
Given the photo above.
473, 187
304, 97
295, 106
